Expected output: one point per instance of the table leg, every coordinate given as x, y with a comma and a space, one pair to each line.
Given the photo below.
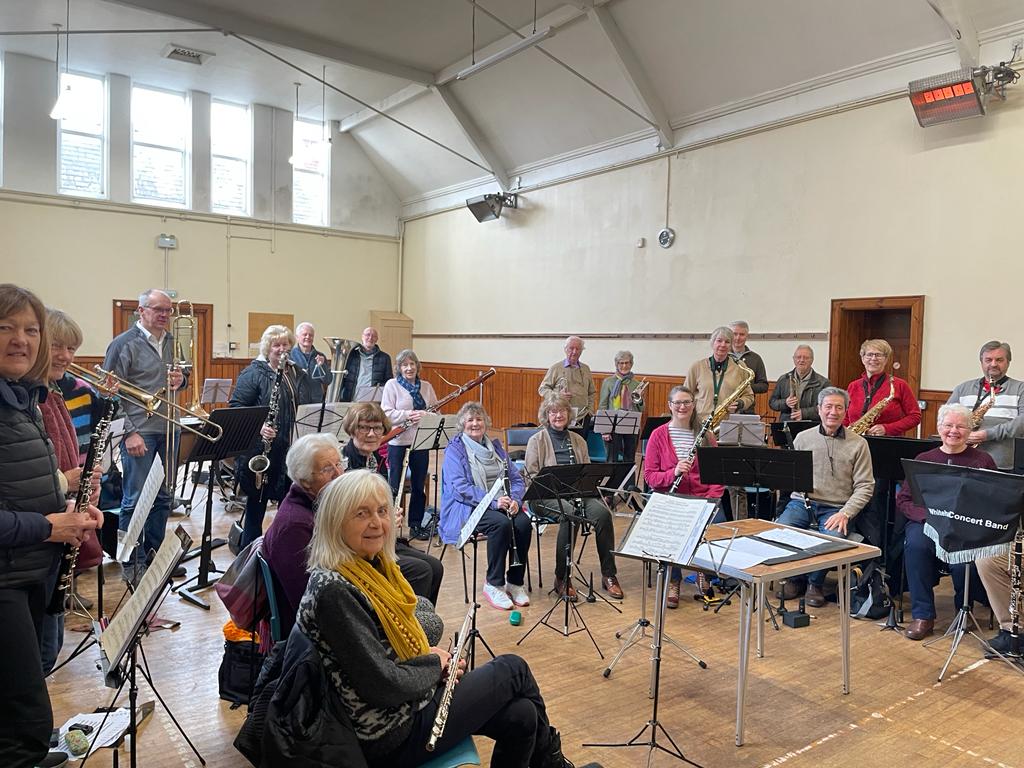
744, 656
759, 610
844, 622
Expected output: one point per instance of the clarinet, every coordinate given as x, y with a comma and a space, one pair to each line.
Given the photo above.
1015, 589
441, 718
577, 502
507, 484
260, 463
697, 440
60, 599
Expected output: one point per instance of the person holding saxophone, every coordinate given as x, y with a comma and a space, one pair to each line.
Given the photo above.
712, 378
272, 376
880, 403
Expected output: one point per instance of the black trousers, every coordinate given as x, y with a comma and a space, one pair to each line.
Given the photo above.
499, 700
624, 445
600, 520
26, 719
423, 572
497, 527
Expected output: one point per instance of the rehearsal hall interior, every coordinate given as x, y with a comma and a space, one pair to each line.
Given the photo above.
548, 383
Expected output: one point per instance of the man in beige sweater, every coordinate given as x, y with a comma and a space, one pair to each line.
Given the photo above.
843, 484
571, 378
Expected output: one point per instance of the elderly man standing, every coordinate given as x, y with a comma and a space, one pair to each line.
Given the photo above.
571, 378
141, 355
740, 330
843, 484
367, 366
795, 396
714, 378
309, 359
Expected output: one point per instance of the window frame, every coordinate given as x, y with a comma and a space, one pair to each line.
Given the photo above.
249, 159
325, 176
186, 152
104, 137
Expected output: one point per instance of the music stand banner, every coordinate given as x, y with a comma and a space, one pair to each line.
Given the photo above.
972, 513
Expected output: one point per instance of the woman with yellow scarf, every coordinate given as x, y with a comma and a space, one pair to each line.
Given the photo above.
377, 644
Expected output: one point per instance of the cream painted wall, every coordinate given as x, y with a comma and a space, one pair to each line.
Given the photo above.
81, 258
770, 228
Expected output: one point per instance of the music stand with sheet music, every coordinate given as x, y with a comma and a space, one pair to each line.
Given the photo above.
887, 454
372, 394
215, 391
615, 421
433, 433
664, 540
311, 418
970, 513
763, 467
239, 426
120, 641
593, 480
558, 483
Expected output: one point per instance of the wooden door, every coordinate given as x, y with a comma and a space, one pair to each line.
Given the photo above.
395, 331
897, 319
126, 314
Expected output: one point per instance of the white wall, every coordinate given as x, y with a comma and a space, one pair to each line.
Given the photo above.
770, 228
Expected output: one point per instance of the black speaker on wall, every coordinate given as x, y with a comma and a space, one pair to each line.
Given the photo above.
489, 207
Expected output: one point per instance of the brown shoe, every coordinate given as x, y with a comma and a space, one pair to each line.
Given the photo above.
560, 589
672, 601
612, 587
814, 596
919, 629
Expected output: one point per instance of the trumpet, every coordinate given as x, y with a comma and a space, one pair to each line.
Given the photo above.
153, 404
637, 395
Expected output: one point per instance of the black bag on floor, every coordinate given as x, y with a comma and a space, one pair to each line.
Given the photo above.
869, 599
238, 670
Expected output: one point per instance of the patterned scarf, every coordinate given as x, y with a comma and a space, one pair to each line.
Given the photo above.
393, 601
418, 403
60, 430
620, 392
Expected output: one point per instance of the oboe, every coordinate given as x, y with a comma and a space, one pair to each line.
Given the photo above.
441, 718
507, 483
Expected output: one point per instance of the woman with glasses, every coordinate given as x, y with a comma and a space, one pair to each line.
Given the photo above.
666, 463
406, 398
617, 392
902, 413
312, 462
254, 387
365, 424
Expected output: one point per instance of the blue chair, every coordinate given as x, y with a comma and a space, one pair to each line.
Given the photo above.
463, 753
268, 585
596, 447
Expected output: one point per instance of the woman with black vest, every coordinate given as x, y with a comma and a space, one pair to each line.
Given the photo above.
35, 522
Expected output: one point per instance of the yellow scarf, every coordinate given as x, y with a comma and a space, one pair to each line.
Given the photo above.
393, 601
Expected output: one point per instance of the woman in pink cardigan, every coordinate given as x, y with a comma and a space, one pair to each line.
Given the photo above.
665, 462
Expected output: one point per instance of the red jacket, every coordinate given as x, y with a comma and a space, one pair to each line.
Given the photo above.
900, 415
660, 463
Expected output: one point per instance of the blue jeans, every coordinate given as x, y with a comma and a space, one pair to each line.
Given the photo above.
799, 516
136, 469
418, 461
923, 573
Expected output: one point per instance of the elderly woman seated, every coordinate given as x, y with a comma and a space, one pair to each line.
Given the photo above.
954, 422
378, 646
472, 463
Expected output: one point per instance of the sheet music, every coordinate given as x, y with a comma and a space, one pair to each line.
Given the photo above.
307, 419
369, 394
154, 482
474, 519
117, 723
624, 422
669, 528
711, 556
115, 638
215, 391
791, 538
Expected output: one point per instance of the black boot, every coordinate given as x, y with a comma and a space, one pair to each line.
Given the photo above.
551, 755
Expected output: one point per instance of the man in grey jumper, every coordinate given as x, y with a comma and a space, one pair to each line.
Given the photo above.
1004, 419
140, 356
843, 484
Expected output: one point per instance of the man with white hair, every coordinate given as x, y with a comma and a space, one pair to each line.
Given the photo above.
367, 366
308, 358
571, 378
740, 330
795, 396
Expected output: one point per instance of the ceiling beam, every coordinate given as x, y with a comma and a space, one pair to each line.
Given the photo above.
229, 21
957, 17
385, 105
634, 73
476, 137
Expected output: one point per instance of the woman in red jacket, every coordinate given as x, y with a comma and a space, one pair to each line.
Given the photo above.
666, 462
902, 412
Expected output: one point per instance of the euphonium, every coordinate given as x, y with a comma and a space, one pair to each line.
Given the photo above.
260, 463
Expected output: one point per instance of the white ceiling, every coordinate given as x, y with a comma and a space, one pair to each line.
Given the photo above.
698, 55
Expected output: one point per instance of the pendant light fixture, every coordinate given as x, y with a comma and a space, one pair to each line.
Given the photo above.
62, 104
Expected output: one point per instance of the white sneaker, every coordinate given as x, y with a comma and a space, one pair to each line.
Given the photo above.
496, 596
518, 594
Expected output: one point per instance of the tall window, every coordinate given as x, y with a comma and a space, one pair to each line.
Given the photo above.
83, 143
311, 159
160, 133
230, 154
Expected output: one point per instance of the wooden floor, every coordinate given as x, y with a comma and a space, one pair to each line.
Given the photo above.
896, 713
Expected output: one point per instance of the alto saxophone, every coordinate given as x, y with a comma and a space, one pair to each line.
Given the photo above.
865, 422
979, 413
443, 706
260, 463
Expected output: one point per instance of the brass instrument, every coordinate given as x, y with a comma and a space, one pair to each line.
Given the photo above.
184, 330
979, 413
865, 422
340, 349
507, 485
637, 395
441, 718
155, 404
60, 599
260, 463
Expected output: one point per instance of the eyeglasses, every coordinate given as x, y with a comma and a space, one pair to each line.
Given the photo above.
680, 403
873, 355
369, 429
159, 310
331, 469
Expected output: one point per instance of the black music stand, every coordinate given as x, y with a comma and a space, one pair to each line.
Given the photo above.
783, 432
239, 425
652, 423
887, 454
436, 439
770, 468
593, 478
558, 482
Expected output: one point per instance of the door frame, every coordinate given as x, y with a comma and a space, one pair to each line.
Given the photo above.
840, 335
